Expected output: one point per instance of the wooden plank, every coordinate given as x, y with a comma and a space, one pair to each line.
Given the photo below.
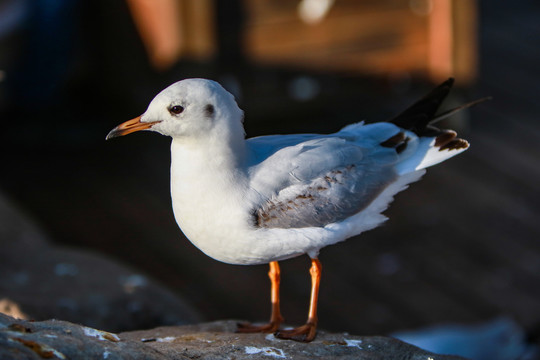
434, 38
390, 43
158, 23
273, 12
199, 29
370, 33
172, 29
452, 40
465, 46
441, 40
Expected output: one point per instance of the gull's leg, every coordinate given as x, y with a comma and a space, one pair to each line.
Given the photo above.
276, 319
307, 332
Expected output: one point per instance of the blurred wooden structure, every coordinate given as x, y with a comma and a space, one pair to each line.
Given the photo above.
174, 29
432, 38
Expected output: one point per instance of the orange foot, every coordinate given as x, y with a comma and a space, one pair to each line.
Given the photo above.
304, 333
271, 327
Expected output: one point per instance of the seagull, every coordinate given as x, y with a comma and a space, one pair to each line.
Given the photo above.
270, 198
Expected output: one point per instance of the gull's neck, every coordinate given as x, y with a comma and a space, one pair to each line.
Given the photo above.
209, 154
209, 178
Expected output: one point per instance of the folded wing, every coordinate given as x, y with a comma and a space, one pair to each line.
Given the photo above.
325, 179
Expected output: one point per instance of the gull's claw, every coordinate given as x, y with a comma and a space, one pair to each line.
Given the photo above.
246, 328
304, 333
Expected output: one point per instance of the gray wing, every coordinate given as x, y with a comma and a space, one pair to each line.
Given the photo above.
331, 198
319, 182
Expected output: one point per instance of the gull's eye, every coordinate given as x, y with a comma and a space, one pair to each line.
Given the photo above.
176, 109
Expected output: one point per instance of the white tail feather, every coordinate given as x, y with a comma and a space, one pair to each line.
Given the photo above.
425, 154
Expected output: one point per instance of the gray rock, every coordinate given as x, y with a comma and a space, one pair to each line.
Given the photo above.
54, 339
42, 281
218, 340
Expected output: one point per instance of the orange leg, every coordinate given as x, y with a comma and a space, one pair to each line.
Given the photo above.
307, 332
276, 319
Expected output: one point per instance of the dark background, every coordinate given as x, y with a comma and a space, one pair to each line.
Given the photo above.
460, 246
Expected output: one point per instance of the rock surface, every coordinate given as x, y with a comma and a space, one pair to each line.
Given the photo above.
41, 281
53, 339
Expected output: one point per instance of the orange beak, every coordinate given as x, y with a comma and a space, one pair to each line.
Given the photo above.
130, 126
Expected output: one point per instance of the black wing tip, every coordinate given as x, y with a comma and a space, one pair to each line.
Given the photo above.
420, 116
450, 81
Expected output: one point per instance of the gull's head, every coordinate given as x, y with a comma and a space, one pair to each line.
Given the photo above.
190, 109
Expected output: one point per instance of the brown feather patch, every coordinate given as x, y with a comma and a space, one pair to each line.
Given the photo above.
455, 144
445, 138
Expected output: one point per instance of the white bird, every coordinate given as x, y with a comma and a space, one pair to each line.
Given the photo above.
271, 198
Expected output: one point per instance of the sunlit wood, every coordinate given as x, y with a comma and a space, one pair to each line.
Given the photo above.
158, 23
174, 29
431, 38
